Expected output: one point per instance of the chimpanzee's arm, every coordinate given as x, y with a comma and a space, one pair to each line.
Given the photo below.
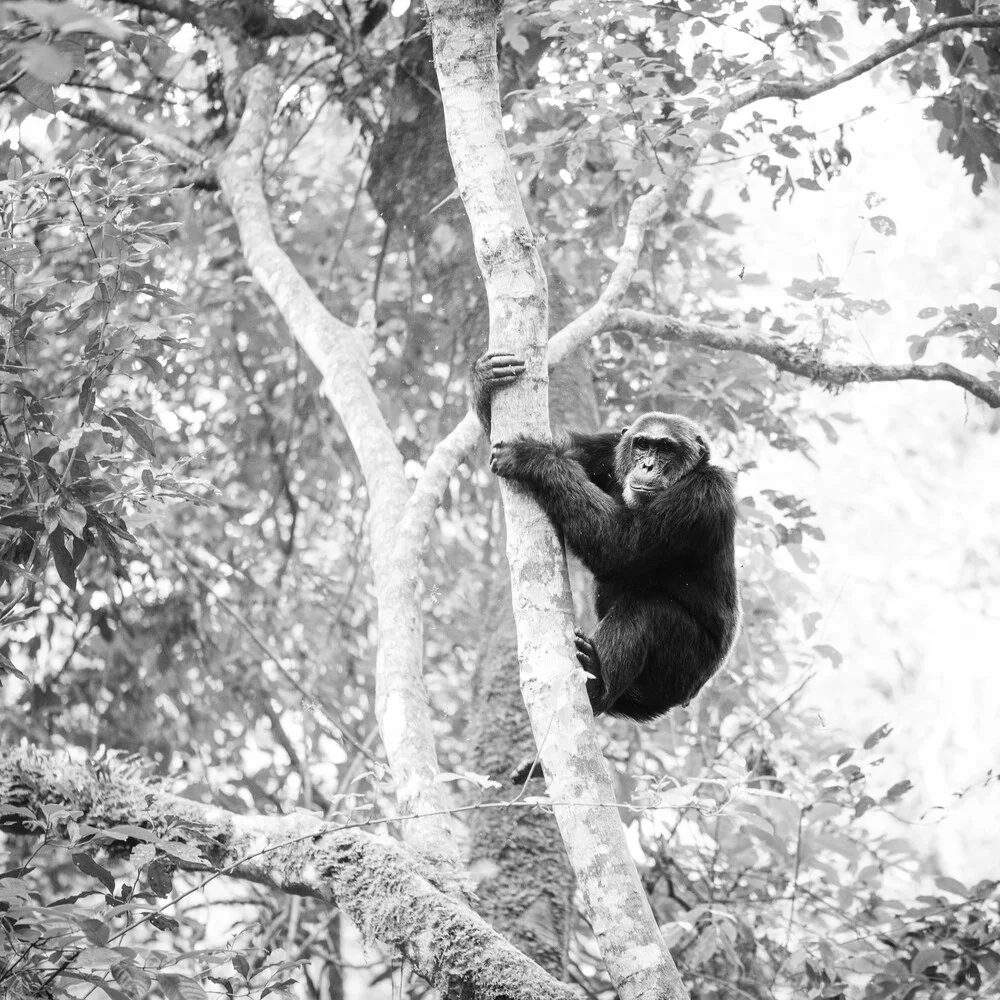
589, 519
492, 371
697, 513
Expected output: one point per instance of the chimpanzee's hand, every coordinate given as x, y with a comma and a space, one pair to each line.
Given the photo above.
526, 460
505, 458
497, 369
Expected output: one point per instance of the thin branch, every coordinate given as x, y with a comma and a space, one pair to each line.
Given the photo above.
799, 90
799, 359
434, 480
180, 10
155, 138
311, 22
259, 20
644, 210
401, 701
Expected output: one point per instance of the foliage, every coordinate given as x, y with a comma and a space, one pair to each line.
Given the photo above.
103, 935
75, 336
182, 544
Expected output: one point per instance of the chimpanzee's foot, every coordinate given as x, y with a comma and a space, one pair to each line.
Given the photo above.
586, 654
531, 768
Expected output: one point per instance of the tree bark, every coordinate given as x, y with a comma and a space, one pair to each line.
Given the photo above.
638, 961
524, 882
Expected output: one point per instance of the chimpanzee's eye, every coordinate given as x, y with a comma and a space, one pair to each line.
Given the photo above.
641, 443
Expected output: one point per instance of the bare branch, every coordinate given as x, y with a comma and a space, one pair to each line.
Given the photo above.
180, 10
644, 210
799, 359
155, 138
800, 90
434, 481
259, 20
385, 890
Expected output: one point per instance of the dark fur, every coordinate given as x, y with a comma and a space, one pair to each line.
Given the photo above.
654, 522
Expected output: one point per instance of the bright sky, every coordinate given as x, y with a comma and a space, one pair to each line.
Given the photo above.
909, 579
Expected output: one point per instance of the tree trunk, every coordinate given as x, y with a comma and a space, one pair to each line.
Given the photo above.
524, 882
583, 802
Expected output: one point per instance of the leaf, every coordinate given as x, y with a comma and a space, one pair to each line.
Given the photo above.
159, 874
100, 958
19, 255
864, 804
703, 948
831, 27
137, 432
111, 433
810, 621
65, 566
184, 852
46, 63
135, 982
898, 790
806, 561
85, 402
883, 224
952, 885
774, 14
833, 655
35, 92
929, 311
877, 736
926, 957
181, 988
74, 517
142, 855
89, 866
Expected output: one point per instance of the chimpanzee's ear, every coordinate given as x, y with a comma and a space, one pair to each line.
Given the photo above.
703, 450
624, 431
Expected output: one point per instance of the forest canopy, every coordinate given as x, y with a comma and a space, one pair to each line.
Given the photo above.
273, 637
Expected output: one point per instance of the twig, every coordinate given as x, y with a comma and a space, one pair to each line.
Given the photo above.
800, 90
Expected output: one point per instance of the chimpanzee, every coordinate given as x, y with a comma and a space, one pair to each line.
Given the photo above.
653, 520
